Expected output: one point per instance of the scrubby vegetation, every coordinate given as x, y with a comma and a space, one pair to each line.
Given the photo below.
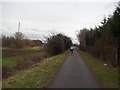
57, 44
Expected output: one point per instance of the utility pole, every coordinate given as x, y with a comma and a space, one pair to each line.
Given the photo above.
18, 26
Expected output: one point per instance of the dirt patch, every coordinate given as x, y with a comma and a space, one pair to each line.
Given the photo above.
7, 72
27, 63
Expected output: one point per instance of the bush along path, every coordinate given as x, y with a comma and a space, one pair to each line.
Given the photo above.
74, 74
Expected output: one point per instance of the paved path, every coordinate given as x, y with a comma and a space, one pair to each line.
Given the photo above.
74, 74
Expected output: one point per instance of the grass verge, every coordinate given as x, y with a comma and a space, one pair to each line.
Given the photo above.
106, 75
37, 76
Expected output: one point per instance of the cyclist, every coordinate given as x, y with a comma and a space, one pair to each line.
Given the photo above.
71, 49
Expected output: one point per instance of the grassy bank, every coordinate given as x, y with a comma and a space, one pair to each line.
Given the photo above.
37, 76
106, 75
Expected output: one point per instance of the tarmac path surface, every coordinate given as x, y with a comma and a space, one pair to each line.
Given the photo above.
74, 74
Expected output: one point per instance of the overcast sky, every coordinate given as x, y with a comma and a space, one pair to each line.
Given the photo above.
38, 18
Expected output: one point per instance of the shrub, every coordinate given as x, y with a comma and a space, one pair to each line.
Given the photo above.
57, 44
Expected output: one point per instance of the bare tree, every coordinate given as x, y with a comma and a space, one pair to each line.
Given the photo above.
19, 40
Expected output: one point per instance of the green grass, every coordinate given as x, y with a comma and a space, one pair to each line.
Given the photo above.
14, 60
37, 76
106, 75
